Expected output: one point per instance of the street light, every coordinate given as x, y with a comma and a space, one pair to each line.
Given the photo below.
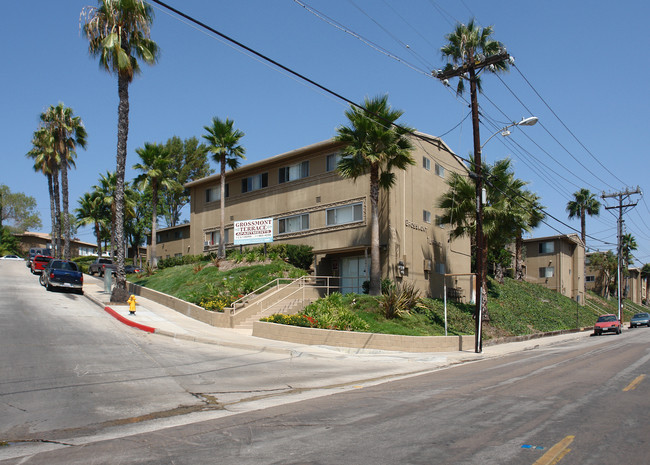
481, 254
530, 121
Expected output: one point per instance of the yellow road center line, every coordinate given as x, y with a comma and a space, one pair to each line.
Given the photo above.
634, 383
556, 452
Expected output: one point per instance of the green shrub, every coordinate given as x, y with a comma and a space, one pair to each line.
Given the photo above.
399, 300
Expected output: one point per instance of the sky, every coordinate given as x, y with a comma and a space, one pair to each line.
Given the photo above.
579, 68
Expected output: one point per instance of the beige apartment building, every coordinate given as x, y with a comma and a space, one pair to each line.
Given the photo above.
634, 285
310, 203
558, 263
173, 241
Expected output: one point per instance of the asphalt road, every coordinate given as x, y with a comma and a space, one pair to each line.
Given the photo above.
71, 373
584, 402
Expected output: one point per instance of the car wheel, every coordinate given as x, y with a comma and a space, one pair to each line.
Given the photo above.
48, 286
41, 280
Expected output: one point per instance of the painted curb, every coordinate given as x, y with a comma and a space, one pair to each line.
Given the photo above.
128, 322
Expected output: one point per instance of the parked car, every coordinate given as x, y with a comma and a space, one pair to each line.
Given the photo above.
39, 262
130, 269
100, 265
12, 257
607, 323
37, 251
640, 319
63, 274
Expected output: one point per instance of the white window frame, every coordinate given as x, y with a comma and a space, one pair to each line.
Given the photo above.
293, 172
212, 237
440, 170
546, 271
426, 163
336, 158
332, 214
294, 223
547, 247
426, 216
255, 182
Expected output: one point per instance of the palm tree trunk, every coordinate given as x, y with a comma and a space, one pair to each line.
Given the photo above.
154, 218
583, 234
221, 253
519, 268
120, 293
66, 217
50, 189
57, 214
99, 239
375, 266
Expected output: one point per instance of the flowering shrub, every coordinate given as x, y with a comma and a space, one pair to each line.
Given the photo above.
332, 312
218, 303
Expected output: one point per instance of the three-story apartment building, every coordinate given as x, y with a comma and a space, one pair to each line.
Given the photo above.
311, 204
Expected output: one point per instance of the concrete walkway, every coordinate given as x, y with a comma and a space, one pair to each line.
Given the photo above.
158, 319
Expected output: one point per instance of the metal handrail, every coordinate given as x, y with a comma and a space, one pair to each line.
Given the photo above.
302, 282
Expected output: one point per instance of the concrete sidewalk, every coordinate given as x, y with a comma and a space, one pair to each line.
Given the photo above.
159, 319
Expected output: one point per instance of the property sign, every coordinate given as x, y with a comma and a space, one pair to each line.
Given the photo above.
253, 231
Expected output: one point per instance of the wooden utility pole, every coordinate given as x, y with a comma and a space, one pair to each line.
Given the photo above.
471, 67
619, 234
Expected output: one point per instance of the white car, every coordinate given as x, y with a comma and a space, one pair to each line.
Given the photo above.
12, 257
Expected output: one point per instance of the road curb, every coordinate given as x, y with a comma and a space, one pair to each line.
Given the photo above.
128, 322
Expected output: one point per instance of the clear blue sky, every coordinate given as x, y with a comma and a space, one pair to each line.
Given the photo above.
585, 60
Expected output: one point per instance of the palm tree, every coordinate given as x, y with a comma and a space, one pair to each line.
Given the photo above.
118, 32
467, 50
223, 142
374, 145
91, 211
68, 132
45, 161
155, 174
583, 203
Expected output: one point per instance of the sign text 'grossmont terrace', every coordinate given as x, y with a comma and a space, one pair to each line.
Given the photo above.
253, 231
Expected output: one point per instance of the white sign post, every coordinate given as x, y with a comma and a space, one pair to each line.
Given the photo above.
253, 231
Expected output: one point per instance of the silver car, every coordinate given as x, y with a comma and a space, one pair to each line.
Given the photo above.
640, 319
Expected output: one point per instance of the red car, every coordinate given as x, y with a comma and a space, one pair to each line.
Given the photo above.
607, 323
39, 262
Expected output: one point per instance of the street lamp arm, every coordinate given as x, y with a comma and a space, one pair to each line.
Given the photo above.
530, 121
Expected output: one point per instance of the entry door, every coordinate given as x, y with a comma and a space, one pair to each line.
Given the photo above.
353, 274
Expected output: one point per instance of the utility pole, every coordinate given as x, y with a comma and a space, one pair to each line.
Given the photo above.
472, 67
619, 234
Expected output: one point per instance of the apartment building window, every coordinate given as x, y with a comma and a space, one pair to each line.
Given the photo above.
178, 234
426, 216
158, 238
293, 172
212, 238
439, 222
546, 272
440, 170
213, 194
440, 268
346, 214
426, 163
547, 247
293, 223
590, 279
333, 161
253, 183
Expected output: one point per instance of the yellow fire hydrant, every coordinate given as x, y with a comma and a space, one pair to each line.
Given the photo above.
131, 302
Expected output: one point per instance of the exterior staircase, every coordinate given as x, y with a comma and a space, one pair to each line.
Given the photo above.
283, 295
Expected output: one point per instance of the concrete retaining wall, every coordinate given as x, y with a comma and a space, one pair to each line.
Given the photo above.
218, 319
314, 336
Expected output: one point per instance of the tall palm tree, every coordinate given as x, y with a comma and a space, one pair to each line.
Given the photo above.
154, 174
118, 32
467, 49
374, 145
46, 162
223, 140
68, 132
583, 203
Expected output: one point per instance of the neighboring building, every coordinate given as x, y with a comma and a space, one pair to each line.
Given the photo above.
173, 241
311, 204
635, 286
78, 248
558, 263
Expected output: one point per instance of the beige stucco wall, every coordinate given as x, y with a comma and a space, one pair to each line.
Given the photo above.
171, 242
